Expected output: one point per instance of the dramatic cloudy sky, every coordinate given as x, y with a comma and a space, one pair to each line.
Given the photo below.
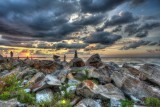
107, 27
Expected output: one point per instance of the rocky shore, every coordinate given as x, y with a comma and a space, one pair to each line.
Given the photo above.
77, 83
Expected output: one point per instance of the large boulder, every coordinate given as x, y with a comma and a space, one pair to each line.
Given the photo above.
76, 62
94, 61
152, 72
132, 86
87, 102
89, 89
48, 81
1, 58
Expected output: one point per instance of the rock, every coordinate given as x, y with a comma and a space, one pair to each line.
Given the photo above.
133, 86
73, 82
1, 58
46, 66
4, 73
152, 72
15, 71
37, 77
115, 103
100, 74
48, 81
94, 61
27, 72
11, 103
61, 75
88, 103
133, 71
44, 95
89, 89
76, 62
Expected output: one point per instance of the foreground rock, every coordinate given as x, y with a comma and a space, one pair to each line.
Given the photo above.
89, 89
133, 86
88, 103
11, 103
76, 62
94, 61
44, 95
46, 66
152, 72
48, 81
1, 59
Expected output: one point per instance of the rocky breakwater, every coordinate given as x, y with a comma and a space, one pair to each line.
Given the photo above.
78, 84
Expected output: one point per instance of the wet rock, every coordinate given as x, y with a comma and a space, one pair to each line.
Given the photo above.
76, 62
37, 77
94, 61
11, 103
44, 95
88, 103
48, 81
89, 89
152, 72
1, 59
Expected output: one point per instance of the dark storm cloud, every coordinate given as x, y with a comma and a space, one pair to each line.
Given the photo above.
121, 18
142, 34
105, 38
141, 30
134, 45
117, 29
70, 46
93, 6
137, 2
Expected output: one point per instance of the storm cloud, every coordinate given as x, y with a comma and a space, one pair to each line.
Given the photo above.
104, 38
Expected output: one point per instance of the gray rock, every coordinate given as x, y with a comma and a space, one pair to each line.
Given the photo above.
15, 71
37, 77
133, 86
89, 89
11, 103
115, 103
88, 103
1, 58
44, 95
76, 62
152, 72
61, 74
4, 73
94, 61
48, 81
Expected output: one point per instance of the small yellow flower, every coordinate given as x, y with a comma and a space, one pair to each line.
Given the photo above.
63, 101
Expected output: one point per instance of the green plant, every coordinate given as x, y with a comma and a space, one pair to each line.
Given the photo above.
126, 103
5, 96
155, 102
24, 97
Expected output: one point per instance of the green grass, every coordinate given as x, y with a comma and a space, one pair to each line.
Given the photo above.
155, 102
126, 103
12, 89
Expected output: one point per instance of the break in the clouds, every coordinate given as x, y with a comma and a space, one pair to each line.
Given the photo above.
93, 22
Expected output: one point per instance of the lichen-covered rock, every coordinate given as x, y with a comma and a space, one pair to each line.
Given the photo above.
88, 103
94, 61
89, 89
